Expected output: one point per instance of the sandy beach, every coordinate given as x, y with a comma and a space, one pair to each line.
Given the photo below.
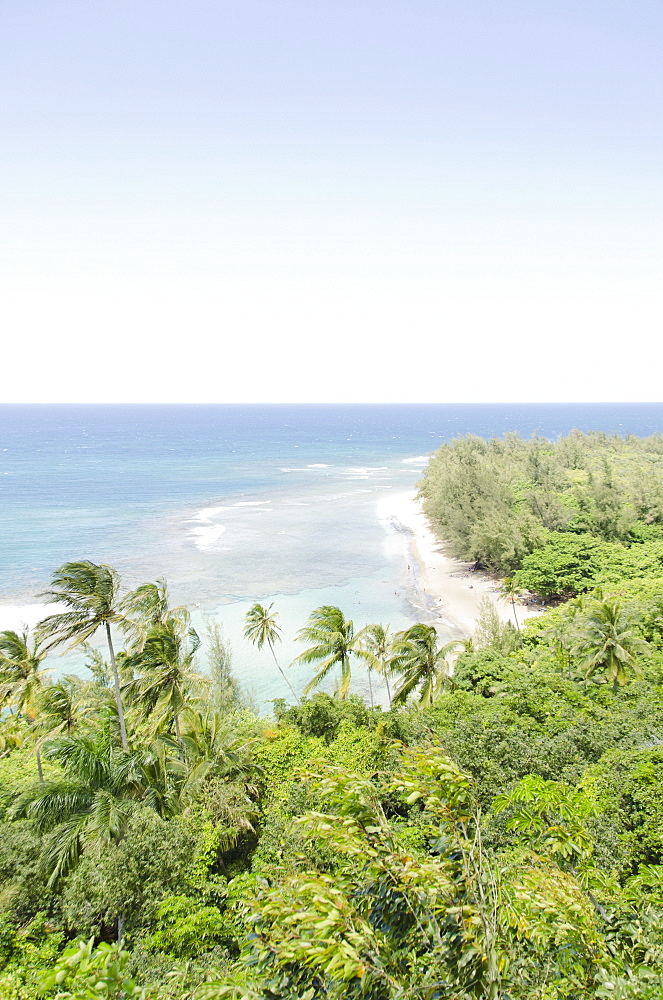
446, 589
443, 583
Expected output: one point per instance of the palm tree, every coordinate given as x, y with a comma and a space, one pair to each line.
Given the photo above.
91, 803
91, 592
212, 751
509, 592
334, 641
22, 677
376, 650
148, 606
64, 704
261, 628
421, 662
165, 672
608, 644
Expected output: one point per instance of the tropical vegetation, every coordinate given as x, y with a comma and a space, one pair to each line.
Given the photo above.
486, 823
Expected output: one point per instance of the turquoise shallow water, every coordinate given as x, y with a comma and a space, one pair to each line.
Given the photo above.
240, 503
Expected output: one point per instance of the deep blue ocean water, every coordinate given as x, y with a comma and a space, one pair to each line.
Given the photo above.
240, 503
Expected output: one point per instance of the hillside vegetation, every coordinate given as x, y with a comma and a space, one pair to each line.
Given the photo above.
496, 833
562, 515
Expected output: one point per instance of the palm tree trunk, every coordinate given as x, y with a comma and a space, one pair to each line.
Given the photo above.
118, 696
345, 672
515, 617
386, 680
370, 687
282, 673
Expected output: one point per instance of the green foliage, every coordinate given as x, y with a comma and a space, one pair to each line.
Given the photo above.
509, 845
484, 671
18, 773
551, 816
565, 564
27, 952
423, 666
321, 715
24, 890
564, 514
440, 919
127, 880
93, 801
607, 643
224, 693
629, 786
164, 677
491, 631
21, 672
280, 754
334, 643
7, 940
186, 929
90, 592
84, 972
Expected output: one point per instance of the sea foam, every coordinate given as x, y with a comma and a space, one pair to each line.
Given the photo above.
207, 513
19, 618
204, 538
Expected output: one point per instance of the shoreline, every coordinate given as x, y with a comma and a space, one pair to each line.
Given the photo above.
449, 588
446, 590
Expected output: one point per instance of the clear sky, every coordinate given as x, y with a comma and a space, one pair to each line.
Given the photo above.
331, 200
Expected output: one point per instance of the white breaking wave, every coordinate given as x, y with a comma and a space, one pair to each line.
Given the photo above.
204, 538
363, 469
16, 618
207, 513
418, 460
319, 465
251, 503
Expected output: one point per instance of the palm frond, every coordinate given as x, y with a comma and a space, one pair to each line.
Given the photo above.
325, 668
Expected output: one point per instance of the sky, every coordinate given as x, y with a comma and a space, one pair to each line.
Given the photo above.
331, 200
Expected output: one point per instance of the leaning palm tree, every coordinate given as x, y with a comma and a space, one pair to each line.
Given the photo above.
334, 642
376, 649
91, 592
165, 674
422, 664
260, 628
22, 677
607, 643
148, 606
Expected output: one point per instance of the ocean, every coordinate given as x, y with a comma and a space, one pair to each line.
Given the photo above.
237, 504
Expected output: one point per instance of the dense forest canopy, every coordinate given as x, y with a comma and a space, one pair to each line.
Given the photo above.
495, 830
564, 515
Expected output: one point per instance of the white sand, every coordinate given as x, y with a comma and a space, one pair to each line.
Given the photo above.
445, 587
446, 583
